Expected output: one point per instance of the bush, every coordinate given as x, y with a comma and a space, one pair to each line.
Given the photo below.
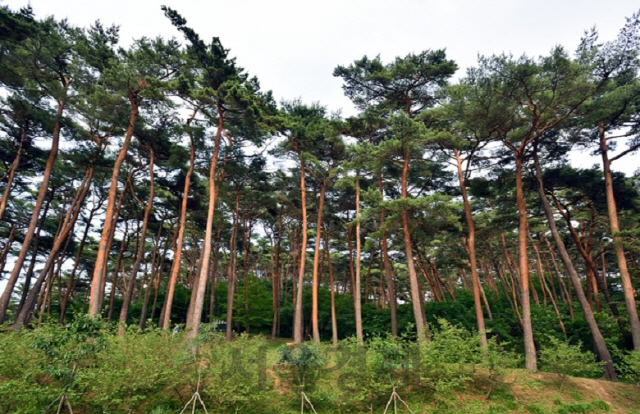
497, 360
300, 366
565, 359
135, 370
235, 374
374, 370
629, 366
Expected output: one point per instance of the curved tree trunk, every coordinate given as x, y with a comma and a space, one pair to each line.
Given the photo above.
42, 191
204, 268
598, 339
165, 318
140, 253
97, 281
67, 227
423, 331
12, 173
625, 278
471, 243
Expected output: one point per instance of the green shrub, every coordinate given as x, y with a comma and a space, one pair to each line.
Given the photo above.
135, 370
374, 370
449, 360
629, 367
300, 366
565, 359
498, 361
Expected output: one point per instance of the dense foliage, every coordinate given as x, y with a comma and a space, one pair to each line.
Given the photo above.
155, 188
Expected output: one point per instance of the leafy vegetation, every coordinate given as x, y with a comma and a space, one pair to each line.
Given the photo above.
161, 216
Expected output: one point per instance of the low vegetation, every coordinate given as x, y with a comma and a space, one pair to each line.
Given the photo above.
89, 368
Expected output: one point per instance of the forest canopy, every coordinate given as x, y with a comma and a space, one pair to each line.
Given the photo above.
158, 185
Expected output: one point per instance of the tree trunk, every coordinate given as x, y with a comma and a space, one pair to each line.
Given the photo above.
276, 280
34, 254
114, 281
97, 281
334, 320
625, 278
387, 266
42, 191
523, 229
126, 300
214, 274
165, 320
316, 260
204, 270
601, 347
357, 290
12, 173
152, 279
67, 227
6, 248
297, 319
591, 268
423, 331
231, 271
76, 263
471, 244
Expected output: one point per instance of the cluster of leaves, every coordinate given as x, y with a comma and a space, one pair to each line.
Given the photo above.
565, 359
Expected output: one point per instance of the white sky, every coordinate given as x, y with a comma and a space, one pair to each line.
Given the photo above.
293, 46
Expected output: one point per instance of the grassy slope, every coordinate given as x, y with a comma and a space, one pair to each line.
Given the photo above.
519, 392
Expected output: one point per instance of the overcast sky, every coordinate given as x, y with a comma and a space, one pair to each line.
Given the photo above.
293, 46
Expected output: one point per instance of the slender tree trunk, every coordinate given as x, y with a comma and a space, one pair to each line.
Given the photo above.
114, 285
277, 280
591, 267
76, 263
67, 227
165, 320
6, 248
152, 279
42, 191
231, 272
246, 241
297, 319
352, 273
204, 270
529, 347
358, 290
316, 261
423, 331
214, 274
34, 254
126, 300
334, 320
387, 266
97, 281
471, 243
598, 339
625, 278
12, 173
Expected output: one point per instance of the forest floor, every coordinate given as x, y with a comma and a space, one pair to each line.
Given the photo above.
541, 392
519, 391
